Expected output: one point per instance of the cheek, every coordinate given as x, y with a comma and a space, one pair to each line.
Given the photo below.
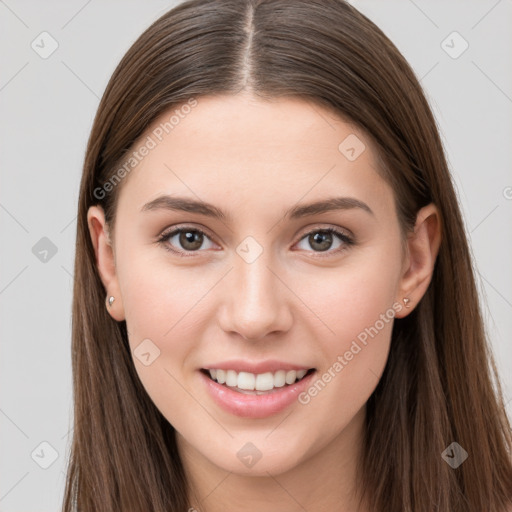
160, 300
355, 297
161, 306
355, 336
355, 306
164, 306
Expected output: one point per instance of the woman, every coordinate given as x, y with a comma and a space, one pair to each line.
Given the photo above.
274, 303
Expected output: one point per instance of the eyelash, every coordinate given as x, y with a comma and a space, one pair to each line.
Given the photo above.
347, 241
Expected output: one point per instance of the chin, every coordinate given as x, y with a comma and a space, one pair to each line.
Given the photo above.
256, 458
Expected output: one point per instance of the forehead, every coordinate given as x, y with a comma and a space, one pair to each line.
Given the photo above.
241, 149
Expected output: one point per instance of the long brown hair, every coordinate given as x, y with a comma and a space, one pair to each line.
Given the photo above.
440, 383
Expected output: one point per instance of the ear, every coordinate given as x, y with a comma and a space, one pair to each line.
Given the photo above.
105, 260
421, 253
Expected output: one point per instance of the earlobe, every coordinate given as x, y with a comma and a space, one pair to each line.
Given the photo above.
105, 260
422, 250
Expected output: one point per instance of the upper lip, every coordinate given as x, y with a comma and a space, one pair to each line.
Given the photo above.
240, 365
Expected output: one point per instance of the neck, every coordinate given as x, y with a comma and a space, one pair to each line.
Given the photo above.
323, 480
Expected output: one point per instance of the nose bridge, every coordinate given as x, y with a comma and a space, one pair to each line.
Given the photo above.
255, 306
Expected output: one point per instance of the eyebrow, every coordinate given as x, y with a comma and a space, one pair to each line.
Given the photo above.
175, 203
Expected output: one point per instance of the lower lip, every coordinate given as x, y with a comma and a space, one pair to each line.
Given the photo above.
255, 406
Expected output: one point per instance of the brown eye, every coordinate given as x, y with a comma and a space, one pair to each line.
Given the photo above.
183, 240
190, 240
321, 240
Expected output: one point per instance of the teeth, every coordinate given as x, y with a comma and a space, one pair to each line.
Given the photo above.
221, 376
301, 373
246, 380
231, 378
291, 376
279, 379
256, 382
264, 382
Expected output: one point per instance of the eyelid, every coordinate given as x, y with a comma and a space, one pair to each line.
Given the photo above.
326, 227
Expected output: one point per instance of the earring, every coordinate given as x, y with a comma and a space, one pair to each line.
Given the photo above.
111, 300
406, 302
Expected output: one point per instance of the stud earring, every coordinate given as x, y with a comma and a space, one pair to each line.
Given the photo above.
111, 300
406, 302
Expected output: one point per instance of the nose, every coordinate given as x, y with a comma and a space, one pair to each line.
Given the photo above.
256, 302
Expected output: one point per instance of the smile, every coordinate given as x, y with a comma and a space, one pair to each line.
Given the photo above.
266, 390
260, 383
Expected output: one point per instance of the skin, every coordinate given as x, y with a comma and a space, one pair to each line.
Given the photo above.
256, 159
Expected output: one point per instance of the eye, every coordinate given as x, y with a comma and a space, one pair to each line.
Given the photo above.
187, 238
321, 240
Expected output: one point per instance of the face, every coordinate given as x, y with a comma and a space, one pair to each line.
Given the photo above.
260, 287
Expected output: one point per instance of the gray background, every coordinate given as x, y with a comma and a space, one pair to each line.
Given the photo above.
47, 108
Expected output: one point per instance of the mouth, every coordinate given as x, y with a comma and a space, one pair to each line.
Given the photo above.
256, 395
256, 383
